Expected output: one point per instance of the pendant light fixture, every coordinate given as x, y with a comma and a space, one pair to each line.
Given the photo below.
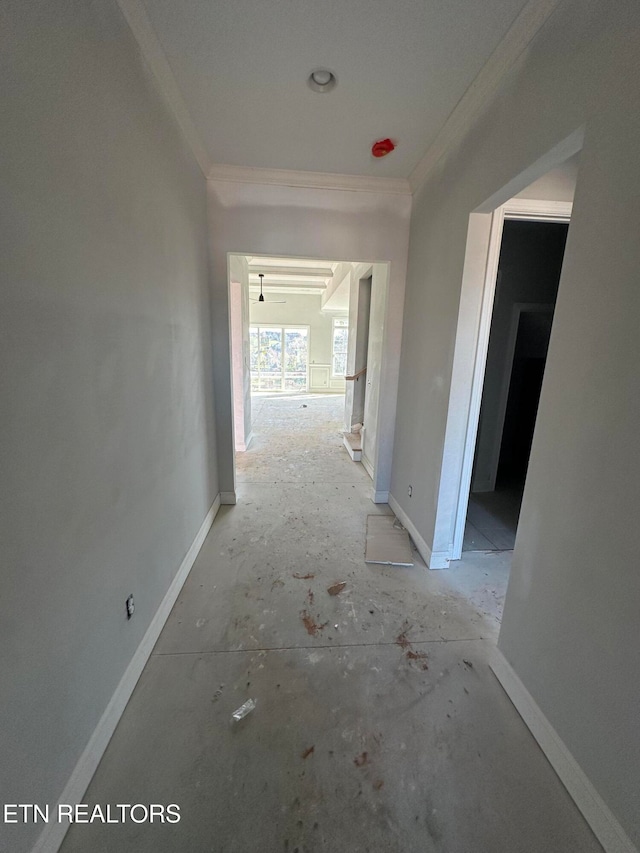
261, 297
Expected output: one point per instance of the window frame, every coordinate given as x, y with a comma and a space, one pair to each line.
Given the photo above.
282, 328
339, 323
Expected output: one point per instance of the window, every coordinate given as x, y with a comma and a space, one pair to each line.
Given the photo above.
340, 346
278, 358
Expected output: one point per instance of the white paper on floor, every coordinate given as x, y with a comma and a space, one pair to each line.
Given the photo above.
387, 544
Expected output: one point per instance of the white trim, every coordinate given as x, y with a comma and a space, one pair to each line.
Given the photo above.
136, 16
523, 30
366, 464
312, 180
480, 271
228, 498
547, 211
482, 348
485, 86
282, 287
598, 815
418, 541
379, 497
319, 378
343, 322
54, 833
439, 560
543, 211
356, 455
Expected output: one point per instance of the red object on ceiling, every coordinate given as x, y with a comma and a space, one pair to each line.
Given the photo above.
382, 147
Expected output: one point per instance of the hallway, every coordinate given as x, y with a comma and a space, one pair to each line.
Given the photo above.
379, 725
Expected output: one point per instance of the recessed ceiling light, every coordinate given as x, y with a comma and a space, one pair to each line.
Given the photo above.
322, 80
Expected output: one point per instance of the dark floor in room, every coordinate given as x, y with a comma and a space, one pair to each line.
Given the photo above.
492, 519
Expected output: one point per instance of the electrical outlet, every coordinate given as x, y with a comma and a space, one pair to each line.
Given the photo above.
410, 491
130, 605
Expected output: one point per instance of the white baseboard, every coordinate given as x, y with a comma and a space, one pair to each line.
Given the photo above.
228, 498
596, 812
421, 545
54, 833
368, 467
356, 455
379, 497
440, 560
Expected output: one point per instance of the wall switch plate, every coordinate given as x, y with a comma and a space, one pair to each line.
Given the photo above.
130, 605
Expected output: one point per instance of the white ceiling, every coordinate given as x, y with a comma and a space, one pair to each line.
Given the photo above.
402, 66
290, 275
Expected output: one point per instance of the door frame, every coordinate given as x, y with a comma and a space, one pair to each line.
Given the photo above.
470, 358
384, 375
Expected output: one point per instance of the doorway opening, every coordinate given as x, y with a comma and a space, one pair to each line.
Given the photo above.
529, 267
541, 194
283, 313
307, 334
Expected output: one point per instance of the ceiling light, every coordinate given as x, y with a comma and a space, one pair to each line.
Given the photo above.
321, 77
261, 297
322, 80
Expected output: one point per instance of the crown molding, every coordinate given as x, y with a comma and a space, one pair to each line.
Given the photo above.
137, 18
279, 282
529, 208
310, 180
293, 273
299, 290
523, 30
521, 33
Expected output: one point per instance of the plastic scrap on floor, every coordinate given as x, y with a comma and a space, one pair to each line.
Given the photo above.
243, 710
336, 588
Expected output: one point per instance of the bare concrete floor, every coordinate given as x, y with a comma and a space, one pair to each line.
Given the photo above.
379, 725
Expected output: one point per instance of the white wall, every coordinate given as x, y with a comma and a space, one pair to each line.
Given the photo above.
304, 309
336, 295
570, 626
259, 219
557, 184
240, 349
106, 434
